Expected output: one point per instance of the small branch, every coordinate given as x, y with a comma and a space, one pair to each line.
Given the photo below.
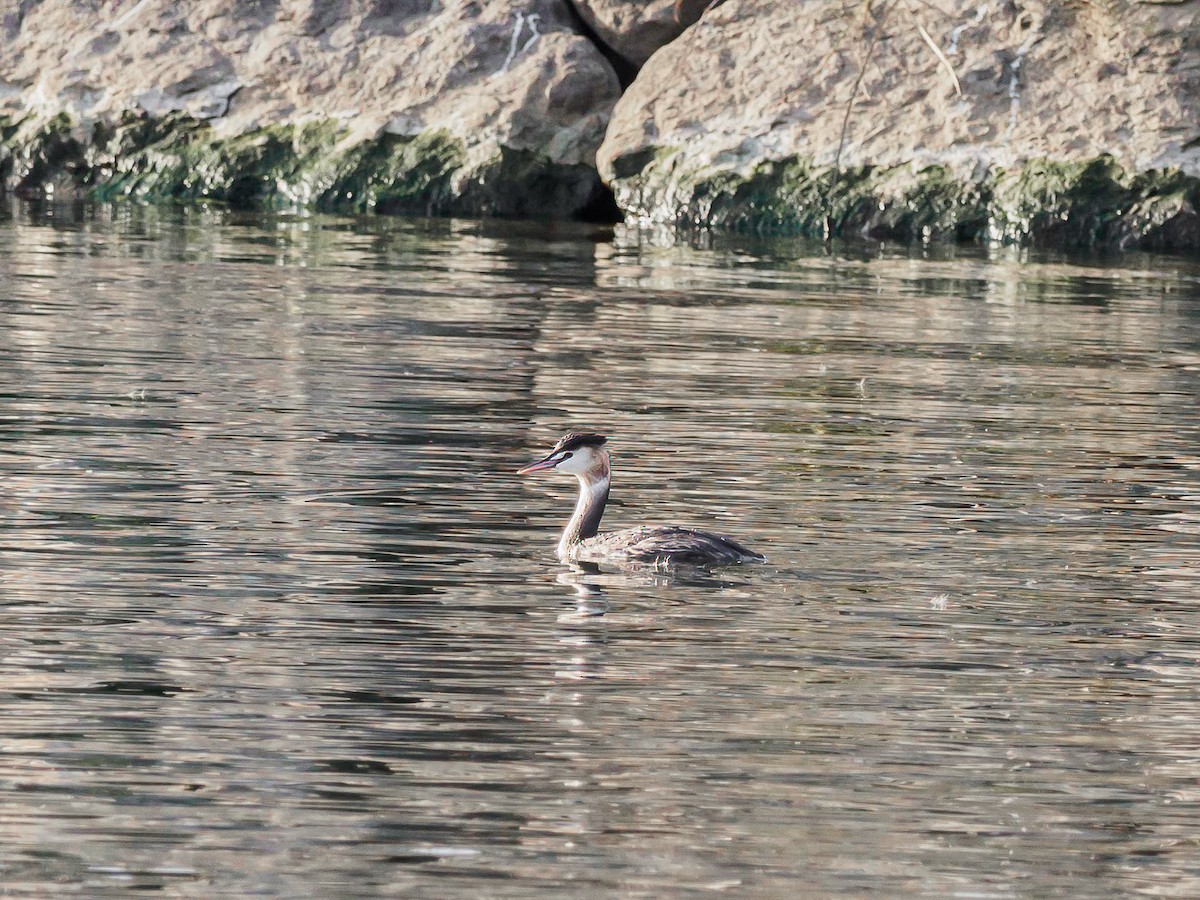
862, 71
941, 57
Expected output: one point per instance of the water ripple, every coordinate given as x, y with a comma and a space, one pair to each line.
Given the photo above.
278, 618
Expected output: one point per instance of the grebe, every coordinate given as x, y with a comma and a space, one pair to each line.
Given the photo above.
583, 455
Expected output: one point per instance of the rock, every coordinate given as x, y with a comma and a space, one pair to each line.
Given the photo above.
635, 30
308, 101
1074, 123
1065, 122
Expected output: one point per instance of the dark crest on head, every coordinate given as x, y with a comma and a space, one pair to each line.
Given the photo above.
577, 439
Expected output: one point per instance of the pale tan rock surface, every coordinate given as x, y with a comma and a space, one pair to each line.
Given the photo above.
494, 76
839, 85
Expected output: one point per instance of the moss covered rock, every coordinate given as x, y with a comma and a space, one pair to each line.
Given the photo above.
316, 165
1092, 203
416, 107
1071, 124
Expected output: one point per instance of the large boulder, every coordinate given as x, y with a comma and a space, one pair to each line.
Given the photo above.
1062, 122
415, 105
635, 29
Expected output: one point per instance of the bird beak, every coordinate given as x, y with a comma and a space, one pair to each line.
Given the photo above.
548, 463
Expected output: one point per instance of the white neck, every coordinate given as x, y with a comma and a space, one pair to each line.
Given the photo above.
585, 521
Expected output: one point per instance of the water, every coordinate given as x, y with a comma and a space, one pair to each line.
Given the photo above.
278, 619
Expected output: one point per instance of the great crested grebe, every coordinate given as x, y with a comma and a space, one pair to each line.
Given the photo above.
583, 455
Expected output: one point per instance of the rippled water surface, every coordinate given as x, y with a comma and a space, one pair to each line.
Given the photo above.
278, 618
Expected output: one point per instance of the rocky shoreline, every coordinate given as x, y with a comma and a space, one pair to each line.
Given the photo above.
1057, 124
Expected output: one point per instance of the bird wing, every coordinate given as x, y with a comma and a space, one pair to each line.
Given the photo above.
670, 544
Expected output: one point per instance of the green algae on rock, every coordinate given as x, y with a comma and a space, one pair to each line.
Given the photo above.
39, 157
281, 166
1095, 204
315, 165
1091, 204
